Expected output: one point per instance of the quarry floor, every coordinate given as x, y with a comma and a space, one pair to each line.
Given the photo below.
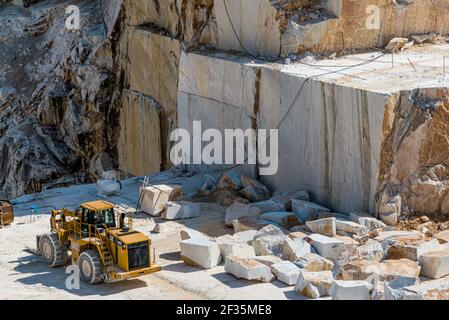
24, 276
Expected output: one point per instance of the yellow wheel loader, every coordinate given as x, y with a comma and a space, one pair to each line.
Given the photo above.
103, 250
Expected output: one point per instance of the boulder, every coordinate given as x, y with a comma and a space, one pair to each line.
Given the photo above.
372, 250
307, 211
200, 252
233, 246
385, 270
292, 250
153, 199
428, 290
410, 248
268, 260
268, 206
350, 290
198, 184
283, 218
254, 190
326, 226
313, 262
398, 234
367, 221
181, 210
187, 233
286, 198
396, 44
348, 241
443, 236
269, 245
435, 264
247, 236
244, 268
314, 284
238, 210
297, 235
394, 289
286, 272
246, 223
228, 196
351, 227
231, 180
326, 247
269, 230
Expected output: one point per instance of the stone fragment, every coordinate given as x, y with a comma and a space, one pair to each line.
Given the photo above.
314, 284
307, 211
390, 209
285, 219
181, 210
443, 236
292, 250
233, 246
269, 230
254, 190
313, 262
286, 198
286, 272
247, 236
428, 290
187, 233
398, 234
297, 235
394, 289
350, 290
424, 38
348, 241
200, 252
372, 250
6, 94
326, 247
238, 210
351, 227
230, 180
153, 199
243, 268
410, 248
268, 260
396, 44
268, 206
160, 228
386, 270
228, 196
326, 226
246, 223
199, 184
435, 264
366, 220
269, 245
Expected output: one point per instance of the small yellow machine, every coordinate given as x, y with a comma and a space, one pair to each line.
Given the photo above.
102, 250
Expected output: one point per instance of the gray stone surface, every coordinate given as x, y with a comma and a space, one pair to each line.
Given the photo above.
286, 272
350, 290
181, 210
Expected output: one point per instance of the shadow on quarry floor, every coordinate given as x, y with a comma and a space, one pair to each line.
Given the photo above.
233, 282
38, 274
180, 267
171, 256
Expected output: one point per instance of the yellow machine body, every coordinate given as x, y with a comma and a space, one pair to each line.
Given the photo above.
124, 253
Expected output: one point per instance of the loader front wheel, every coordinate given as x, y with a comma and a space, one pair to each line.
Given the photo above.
51, 250
90, 266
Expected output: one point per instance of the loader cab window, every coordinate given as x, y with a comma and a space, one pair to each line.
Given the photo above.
99, 218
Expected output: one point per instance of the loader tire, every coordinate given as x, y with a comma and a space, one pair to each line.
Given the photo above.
51, 250
90, 266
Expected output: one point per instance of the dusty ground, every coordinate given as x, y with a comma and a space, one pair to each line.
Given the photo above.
24, 276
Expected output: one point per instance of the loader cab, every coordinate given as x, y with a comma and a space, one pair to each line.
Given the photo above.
97, 213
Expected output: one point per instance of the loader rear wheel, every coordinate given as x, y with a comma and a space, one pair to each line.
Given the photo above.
51, 250
90, 266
